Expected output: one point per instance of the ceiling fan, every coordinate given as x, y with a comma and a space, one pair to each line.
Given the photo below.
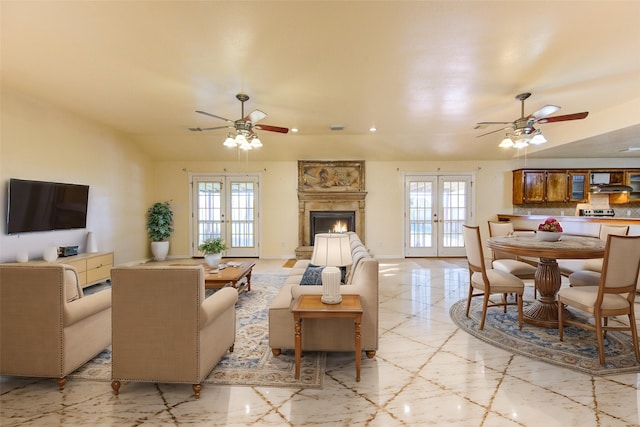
245, 136
522, 132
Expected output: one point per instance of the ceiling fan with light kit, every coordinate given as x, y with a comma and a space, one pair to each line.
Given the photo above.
244, 128
521, 132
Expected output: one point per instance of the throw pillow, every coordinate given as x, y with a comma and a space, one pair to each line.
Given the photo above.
312, 275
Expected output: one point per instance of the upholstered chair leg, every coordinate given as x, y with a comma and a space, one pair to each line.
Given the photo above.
560, 321
484, 310
600, 334
469, 298
276, 352
504, 301
370, 354
634, 333
519, 300
231, 348
196, 390
61, 382
115, 385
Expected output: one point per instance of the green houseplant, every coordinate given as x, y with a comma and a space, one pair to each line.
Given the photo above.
213, 249
159, 229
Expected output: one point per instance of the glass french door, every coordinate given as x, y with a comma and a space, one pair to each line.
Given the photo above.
436, 207
226, 206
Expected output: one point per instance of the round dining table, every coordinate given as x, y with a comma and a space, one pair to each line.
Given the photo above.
544, 310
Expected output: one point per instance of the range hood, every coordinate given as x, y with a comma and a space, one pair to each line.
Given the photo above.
611, 188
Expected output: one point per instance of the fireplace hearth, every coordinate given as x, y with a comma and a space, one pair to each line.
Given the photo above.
331, 222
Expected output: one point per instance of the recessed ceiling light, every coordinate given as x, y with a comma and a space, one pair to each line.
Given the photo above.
294, 130
372, 129
624, 150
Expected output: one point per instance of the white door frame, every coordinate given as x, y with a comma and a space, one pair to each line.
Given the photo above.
443, 228
237, 247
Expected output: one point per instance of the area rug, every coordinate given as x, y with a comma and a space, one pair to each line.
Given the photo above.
578, 351
251, 363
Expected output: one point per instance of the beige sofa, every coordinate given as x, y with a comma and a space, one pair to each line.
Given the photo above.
164, 330
328, 334
48, 328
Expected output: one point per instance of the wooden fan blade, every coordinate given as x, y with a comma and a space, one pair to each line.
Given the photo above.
272, 128
255, 116
576, 116
213, 115
494, 131
217, 127
544, 111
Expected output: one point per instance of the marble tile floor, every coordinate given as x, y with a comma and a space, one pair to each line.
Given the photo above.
426, 372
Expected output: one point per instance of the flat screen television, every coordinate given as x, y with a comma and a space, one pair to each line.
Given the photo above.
45, 206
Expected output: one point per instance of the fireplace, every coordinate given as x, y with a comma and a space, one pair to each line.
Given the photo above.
329, 191
331, 222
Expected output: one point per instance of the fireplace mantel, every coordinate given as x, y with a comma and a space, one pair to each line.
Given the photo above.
336, 198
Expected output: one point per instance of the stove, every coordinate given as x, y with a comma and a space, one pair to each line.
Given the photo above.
596, 212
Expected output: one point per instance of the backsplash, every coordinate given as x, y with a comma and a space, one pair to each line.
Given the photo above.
569, 209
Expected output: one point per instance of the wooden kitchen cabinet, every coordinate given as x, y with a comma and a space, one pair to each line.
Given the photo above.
540, 186
578, 186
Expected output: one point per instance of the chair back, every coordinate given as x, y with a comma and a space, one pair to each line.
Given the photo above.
621, 264
616, 230
500, 229
473, 247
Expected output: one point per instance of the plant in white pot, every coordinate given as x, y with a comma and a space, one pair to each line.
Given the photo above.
159, 229
213, 249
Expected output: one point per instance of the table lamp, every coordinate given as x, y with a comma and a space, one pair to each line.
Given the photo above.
331, 250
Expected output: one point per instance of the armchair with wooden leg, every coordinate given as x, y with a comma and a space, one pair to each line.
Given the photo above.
489, 281
614, 295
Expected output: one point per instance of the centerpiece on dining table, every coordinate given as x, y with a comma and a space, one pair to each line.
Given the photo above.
549, 231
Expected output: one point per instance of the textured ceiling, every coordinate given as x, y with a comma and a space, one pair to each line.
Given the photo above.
423, 73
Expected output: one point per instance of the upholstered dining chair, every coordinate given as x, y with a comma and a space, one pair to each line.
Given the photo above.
507, 262
489, 281
589, 274
614, 295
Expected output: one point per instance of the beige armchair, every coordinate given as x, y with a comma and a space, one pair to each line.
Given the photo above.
164, 330
48, 328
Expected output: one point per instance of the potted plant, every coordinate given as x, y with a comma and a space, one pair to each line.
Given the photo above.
159, 228
213, 249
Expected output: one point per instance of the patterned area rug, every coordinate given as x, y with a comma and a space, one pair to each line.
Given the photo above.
578, 351
251, 363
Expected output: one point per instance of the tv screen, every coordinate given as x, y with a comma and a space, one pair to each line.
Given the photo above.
45, 206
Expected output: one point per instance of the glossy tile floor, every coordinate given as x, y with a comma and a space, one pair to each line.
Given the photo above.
426, 372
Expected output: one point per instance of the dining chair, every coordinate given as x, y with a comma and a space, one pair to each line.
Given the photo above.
489, 281
507, 262
614, 295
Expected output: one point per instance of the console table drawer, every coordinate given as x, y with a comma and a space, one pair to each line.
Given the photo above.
100, 262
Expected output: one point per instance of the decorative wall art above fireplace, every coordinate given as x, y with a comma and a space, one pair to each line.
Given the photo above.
338, 176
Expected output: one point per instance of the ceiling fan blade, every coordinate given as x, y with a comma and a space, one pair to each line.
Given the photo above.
575, 116
217, 127
494, 131
482, 125
272, 128
255, 116
544, 111
213, 115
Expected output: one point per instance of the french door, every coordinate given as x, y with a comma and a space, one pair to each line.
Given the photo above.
226, 206
436, 207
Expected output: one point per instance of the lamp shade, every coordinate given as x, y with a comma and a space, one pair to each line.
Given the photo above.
331, 249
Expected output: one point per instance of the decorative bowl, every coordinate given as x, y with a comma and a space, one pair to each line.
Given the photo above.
548, 236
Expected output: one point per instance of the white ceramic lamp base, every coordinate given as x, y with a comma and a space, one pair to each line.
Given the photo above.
331, 285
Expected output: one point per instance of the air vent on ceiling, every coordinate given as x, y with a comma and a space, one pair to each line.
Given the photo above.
336, 127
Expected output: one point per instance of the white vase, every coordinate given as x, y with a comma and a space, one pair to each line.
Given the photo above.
50, 253
92, 245
22, 255
548, 236
160, 250
213, 259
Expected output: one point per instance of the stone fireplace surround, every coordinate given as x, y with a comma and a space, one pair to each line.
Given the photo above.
337, 198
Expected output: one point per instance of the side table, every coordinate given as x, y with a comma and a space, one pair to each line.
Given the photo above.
310, 306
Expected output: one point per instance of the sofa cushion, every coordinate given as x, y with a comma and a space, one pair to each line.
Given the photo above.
72, 289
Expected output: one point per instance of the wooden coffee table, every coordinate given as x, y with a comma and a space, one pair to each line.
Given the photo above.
310, 306
215, 278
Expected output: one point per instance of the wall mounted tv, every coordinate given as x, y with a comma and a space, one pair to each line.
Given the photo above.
45, 206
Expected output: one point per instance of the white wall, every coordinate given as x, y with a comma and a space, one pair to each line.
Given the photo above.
41, 142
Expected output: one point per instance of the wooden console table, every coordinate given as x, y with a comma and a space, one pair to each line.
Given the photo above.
310, 306
92, 267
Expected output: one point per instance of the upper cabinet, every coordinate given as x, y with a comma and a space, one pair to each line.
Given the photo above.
570, 185
540, 186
